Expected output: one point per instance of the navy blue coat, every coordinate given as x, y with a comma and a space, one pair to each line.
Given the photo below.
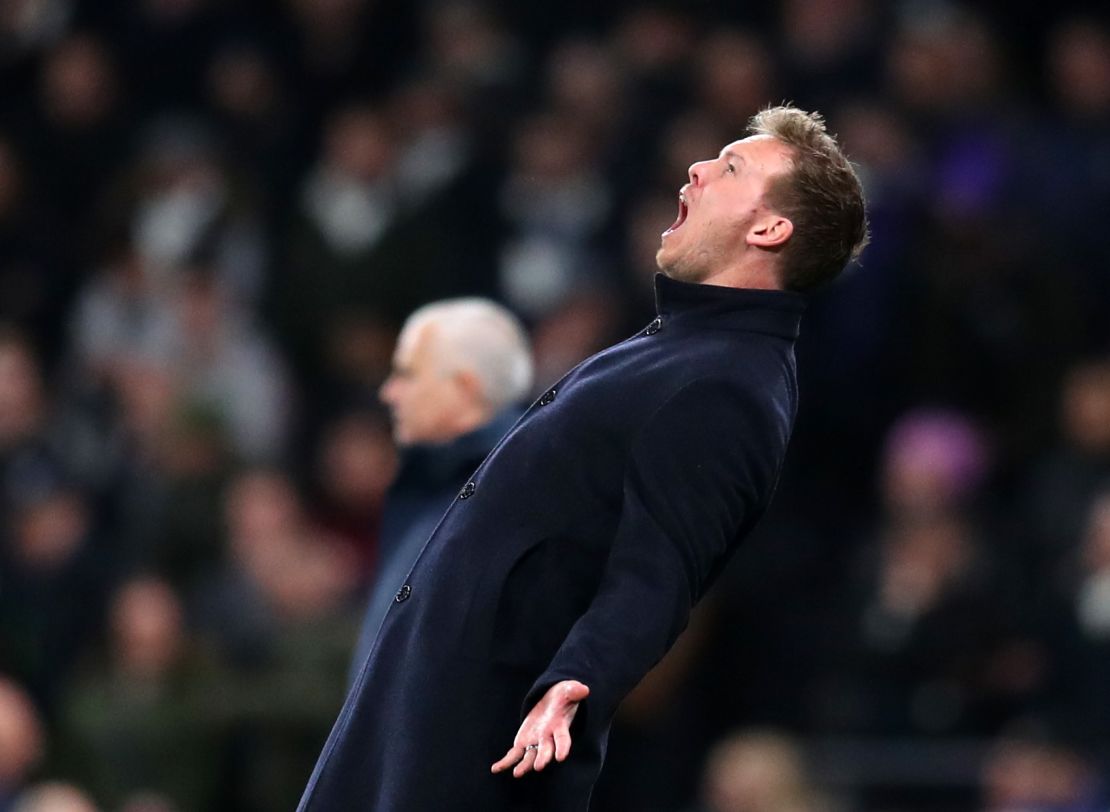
575, 551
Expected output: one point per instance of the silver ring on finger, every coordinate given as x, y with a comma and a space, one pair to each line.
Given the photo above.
531, 747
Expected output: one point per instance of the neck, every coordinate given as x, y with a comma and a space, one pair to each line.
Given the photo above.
467, 421
760, 276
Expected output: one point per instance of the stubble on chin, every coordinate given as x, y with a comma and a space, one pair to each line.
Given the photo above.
675, 268
668, 263
661, 262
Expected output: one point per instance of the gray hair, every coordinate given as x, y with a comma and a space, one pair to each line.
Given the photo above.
480, 336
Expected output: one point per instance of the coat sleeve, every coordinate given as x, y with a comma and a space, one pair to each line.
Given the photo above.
698, 475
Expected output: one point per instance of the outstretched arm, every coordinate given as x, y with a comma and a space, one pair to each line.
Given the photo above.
698, 474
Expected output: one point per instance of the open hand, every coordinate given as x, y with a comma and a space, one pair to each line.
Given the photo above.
545, 732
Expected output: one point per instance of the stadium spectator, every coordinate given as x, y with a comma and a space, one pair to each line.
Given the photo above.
134, 723
54, 796
1038, 769
759, 771
22, 741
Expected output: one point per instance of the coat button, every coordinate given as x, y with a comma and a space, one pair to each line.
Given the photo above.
403, 594
468, 490
655, 326
547, 397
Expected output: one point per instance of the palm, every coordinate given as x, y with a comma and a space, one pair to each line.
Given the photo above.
545, 732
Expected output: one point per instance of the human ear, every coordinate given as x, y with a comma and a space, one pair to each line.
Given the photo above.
469, 384
770, 231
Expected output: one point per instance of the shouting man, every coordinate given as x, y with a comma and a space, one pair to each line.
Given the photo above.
569, 561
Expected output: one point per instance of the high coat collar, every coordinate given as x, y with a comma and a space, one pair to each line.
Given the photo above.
774, 312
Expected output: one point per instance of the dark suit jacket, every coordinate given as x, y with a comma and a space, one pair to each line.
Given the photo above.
575, 551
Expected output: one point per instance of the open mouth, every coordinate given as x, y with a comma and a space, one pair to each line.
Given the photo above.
683, 210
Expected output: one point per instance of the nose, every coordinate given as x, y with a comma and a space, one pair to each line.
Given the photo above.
385, 391
697, 171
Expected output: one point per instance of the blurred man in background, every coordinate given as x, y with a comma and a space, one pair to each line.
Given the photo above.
460, 371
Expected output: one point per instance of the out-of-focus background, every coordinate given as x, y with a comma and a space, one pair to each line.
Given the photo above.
214, 215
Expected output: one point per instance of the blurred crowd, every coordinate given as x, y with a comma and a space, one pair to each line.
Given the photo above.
215, 214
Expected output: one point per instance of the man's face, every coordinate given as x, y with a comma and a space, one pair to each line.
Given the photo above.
718, 206
422, 396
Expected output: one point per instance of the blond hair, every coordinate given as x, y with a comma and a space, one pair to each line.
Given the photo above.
821, 195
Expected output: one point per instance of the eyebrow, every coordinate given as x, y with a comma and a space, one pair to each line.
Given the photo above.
733, 155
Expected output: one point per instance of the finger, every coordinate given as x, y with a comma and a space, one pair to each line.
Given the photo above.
516, 752
562, 744
544, 753
525, 764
